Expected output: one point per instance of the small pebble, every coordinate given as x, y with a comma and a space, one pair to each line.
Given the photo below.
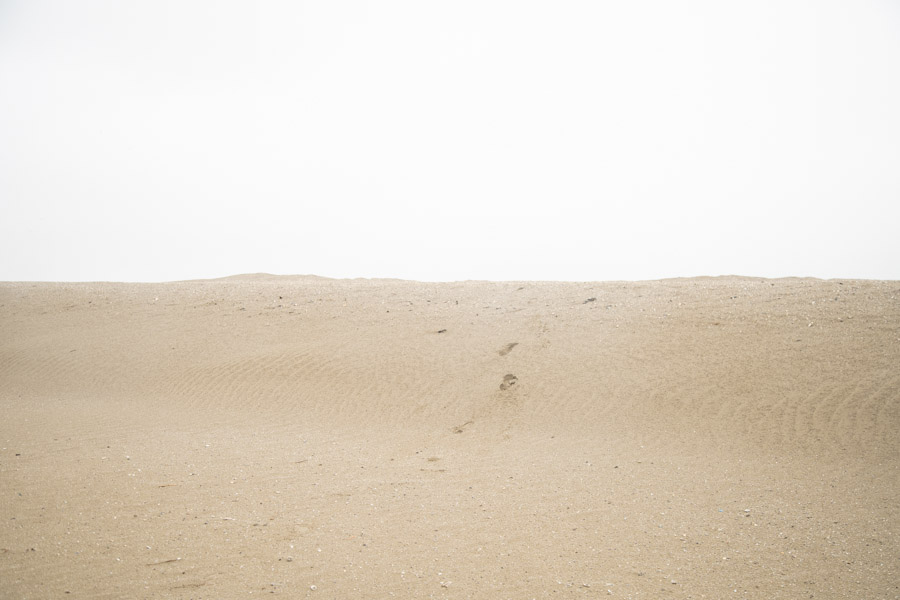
312, 587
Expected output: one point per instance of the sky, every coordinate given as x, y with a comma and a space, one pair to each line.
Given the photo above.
154, 140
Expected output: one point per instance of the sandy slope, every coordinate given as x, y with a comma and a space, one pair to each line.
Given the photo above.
698, 438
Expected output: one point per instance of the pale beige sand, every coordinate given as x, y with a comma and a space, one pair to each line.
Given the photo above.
698, 438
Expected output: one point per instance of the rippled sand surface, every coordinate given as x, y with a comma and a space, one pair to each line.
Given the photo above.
306, 437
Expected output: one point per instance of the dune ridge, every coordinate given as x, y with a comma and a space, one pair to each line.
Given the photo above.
699, 437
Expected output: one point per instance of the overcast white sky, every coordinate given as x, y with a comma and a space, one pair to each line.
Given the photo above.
592, 140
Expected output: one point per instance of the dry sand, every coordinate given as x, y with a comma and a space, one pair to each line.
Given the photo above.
306, 437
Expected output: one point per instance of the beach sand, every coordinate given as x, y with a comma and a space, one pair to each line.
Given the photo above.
307, 437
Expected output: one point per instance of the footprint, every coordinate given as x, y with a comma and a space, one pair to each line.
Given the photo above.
461, 428
508, 348
509, 380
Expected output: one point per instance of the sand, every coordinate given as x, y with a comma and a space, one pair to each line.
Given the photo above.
306, 437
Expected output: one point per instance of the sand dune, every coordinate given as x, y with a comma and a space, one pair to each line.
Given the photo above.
307, 437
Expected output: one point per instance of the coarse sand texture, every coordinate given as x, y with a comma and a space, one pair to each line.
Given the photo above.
304, 437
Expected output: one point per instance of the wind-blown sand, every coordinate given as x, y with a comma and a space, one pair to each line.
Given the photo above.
306, 437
